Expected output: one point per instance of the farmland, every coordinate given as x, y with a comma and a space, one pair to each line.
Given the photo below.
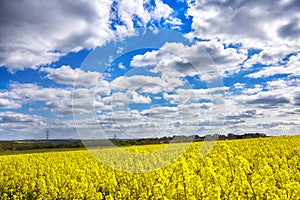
260, 168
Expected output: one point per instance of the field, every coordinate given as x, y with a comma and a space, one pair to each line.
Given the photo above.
262, 168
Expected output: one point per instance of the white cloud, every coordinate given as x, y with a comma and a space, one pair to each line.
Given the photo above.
188, 96
268, 56
147, 84
34, 33
68, 76
15, 118
277, 84
141, 12
268, 99
271, 109
239, 85
8, 103
249, 91
175, 22
291, 68
61, 100
244, 112
15, 125
278, 95
254, 23
121, 66
201, 58
123, 98
271, 26
137, 98
29, 93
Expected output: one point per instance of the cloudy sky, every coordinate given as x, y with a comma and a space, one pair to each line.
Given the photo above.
148, 68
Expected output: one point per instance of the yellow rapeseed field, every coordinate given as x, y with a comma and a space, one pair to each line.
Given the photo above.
266, 168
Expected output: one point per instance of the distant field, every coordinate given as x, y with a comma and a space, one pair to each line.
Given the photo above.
261, 168
8, 152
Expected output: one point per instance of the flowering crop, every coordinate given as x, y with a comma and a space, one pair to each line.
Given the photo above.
267, 168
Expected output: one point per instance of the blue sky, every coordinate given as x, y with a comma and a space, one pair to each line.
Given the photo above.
148, 68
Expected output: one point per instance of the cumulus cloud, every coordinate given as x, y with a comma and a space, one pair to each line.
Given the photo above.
125, 98
290, 68
243, 112
68, 76
267, 105
140, 12
269, 26
265, 99
155, 121
202, 57
297, 99
277, 124
17, 125
187, 96
253, 23
39, 32
290, 30
8, 103
270, 55
254, 90
277, 84
146, 84
121, 66
239, 85
269, 101
61, 100
30, 93
12, 117
34, 33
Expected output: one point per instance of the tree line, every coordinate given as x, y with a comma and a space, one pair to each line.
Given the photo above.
53, 144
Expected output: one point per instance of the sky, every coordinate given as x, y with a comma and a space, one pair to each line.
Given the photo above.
148, 68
